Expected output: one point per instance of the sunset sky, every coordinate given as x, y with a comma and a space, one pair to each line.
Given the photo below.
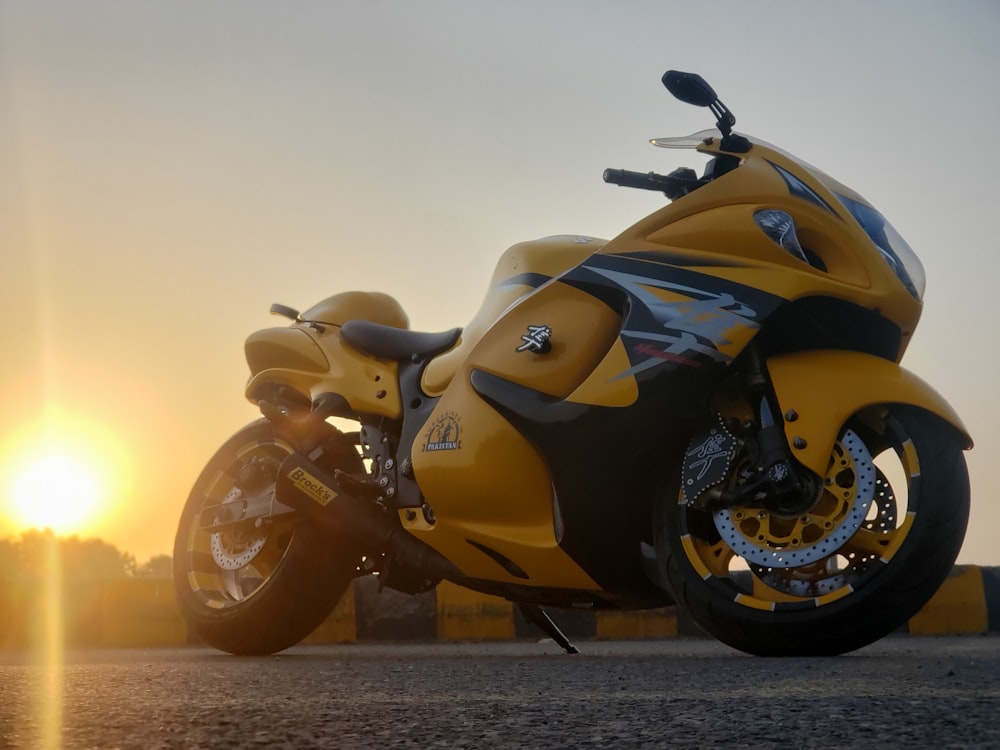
170, 169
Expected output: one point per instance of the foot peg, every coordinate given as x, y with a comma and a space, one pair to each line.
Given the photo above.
363, 487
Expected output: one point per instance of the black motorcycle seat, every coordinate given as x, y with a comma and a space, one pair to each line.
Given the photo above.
386, 342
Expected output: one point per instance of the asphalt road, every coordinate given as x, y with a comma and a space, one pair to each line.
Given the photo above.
901, 692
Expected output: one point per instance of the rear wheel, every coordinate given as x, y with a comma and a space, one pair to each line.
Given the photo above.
256, 589
850, 568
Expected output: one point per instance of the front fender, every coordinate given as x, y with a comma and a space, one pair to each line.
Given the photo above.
818, 391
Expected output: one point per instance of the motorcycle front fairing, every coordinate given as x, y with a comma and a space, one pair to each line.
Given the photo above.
541, 464
565, 446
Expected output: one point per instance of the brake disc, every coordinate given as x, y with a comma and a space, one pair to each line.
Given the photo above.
234, 548
774, 541
828, 575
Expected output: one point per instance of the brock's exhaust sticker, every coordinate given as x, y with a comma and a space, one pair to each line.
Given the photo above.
309, 485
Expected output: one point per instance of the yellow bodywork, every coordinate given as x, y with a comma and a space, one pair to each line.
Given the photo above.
312, 358
504, 498
712, 231
487, 484
519, 271
823, 389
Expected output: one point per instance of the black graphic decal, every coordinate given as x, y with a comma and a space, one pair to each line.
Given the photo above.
707, 461
688, 331
675, 316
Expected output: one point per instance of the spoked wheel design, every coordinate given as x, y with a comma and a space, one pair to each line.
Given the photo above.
255, 587
847, 568
227, 567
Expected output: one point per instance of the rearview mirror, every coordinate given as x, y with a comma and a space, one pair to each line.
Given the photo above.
690, 88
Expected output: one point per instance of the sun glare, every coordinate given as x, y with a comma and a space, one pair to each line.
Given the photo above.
60, 477
55, 492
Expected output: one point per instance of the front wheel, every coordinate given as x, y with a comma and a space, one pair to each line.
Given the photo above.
879, 540
256, 589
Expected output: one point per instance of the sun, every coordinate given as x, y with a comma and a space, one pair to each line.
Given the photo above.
60, 475
55, 492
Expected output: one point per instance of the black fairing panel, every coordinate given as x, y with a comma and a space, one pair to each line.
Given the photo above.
605, 464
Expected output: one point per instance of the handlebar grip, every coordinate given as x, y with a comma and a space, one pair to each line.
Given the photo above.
670, 186
627, 178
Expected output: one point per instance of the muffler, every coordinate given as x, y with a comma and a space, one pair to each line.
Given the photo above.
309, 489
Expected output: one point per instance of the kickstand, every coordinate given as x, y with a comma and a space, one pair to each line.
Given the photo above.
534, 614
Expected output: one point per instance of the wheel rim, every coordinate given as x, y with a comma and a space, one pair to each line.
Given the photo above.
225, 568
865, 511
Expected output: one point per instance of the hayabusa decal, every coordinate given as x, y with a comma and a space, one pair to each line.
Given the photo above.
689, 331
536, 340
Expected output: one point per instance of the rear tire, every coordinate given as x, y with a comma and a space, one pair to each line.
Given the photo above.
257, 591
846, 594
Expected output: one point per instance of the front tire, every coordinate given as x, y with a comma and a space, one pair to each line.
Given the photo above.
873, 549
251, 590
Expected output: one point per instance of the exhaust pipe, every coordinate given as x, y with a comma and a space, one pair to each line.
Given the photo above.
311, 490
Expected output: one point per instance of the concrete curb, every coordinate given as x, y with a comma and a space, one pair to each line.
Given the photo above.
968, 602
959, 606
143, 613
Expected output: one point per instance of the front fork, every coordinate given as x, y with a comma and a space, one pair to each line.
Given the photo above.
779, 483
767, 474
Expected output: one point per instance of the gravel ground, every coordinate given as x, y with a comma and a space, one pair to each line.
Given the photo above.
901, 692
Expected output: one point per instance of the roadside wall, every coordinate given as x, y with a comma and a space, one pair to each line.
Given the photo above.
143, 613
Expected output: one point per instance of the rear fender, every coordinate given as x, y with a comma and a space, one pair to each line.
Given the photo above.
316, 361
818, 391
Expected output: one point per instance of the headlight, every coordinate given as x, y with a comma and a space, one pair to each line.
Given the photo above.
780, 227
897, 253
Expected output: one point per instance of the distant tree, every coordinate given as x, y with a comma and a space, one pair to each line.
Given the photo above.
94, 559
40, 553
10, 559
160, 566
37, 551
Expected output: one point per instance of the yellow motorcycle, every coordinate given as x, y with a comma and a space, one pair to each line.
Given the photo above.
706, 410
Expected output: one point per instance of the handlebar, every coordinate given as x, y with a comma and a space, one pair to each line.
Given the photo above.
670, 185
